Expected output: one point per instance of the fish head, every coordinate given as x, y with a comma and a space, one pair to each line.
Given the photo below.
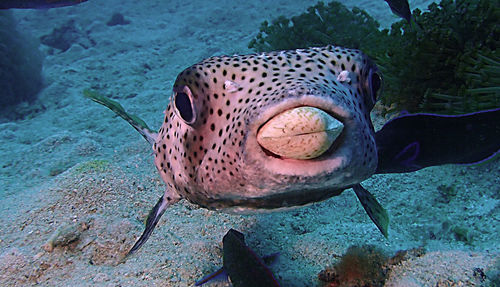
211, 149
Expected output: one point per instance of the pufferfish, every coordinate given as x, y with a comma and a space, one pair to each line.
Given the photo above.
266, 131
283, 129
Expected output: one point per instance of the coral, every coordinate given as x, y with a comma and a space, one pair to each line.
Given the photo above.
20, 64
448, 62
359, 266
444, 61
363, 266
319, 26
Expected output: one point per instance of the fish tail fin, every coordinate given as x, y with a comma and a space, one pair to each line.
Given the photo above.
136, 122
377, 213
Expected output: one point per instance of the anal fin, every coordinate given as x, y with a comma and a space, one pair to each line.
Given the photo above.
377, 213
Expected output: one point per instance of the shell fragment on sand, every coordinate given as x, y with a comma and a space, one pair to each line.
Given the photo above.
300, 133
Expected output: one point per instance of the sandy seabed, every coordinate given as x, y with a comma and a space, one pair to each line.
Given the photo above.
77, 181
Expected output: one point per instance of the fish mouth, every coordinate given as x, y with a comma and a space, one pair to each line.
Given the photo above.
306, 128
338, 163
301, 133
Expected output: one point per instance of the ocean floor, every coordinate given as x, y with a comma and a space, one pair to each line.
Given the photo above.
77, 181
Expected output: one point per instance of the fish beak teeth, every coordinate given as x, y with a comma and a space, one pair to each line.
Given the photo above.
300, 133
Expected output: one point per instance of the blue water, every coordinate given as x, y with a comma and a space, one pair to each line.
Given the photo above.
68, 162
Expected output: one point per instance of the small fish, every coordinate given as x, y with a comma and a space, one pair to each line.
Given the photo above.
401, 8
37, 4
241, 265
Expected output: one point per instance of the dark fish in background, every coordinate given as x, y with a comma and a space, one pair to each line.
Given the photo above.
400, 8
37, 4
243, 267
412, 142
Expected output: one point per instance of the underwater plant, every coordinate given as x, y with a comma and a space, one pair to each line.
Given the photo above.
359, 266
322, 25
445, 61
363, 266
449, 63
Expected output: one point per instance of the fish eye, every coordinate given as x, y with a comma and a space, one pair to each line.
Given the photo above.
183, 103
375, 84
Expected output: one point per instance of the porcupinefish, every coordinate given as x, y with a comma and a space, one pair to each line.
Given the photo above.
276, 130
207, 150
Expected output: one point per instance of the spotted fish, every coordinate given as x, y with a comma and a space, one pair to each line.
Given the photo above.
233, 131
207, 149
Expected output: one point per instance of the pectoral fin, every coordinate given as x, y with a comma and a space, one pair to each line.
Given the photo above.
154, 216
136, 122
376, 212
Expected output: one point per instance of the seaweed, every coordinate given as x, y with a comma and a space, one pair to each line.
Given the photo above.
444, 61
363, 266
359, 266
